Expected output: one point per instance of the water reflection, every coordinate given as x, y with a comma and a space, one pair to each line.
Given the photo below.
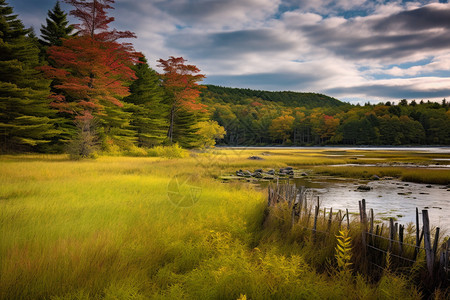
388, 198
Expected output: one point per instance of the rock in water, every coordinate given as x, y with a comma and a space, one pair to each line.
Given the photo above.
364, 188
255, 158
258, 175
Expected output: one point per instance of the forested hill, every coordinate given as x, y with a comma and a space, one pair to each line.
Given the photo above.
269, 118
288, 99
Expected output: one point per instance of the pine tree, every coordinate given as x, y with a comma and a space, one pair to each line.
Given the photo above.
25, 115
57, 27
149, 110
115, 128
185, 127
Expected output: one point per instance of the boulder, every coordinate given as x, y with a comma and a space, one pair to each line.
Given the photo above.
363, 188
375, 177
247, 173
255, 158
287, 171
258, 175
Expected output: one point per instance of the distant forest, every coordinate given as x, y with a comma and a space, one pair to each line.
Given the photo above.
253, 117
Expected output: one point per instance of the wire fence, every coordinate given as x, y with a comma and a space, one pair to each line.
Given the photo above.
380, 248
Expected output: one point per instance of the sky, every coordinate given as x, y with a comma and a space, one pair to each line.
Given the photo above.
354, 50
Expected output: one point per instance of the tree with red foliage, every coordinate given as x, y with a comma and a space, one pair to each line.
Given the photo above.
181, 83
93, 68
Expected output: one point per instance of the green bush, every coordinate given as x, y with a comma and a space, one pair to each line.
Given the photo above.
173, 151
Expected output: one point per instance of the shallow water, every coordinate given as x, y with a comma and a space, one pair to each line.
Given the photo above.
388, 198
337, 148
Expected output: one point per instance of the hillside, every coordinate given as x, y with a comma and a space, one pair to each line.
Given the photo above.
285, 98
253, 117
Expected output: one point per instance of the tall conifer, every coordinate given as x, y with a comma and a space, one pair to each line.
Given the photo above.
149, 110
57, 27
25, 114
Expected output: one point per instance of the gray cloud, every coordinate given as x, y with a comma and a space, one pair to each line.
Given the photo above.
390, 92
218, 13
423, 18
266, 81
393, 37
226, 45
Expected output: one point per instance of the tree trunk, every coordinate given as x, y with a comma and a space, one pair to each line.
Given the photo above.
172, 118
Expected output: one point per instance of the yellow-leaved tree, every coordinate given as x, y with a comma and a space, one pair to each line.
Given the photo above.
281, 128
208, 132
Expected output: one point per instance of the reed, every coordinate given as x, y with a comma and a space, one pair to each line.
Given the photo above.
418, 175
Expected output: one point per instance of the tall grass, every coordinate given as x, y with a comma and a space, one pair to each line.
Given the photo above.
336, 248
106, 228
418, 175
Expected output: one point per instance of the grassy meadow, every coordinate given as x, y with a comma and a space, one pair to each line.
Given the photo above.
127, 228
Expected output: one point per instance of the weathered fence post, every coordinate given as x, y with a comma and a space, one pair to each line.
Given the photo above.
391, 234
329, 220
416, 250
371, 225
360, 212
339, 217
363, 203
364, 227
348, 219
427, 242
316, 213
300, 203
400, 238
396, 235
436, 241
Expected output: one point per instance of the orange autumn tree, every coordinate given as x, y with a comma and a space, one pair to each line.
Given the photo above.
181, 83
281, 128
92, 69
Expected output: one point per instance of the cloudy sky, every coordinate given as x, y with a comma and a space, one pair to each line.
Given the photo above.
354, 50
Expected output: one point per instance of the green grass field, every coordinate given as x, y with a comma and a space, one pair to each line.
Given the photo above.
119, 228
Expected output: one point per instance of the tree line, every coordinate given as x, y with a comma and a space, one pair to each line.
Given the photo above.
260, 118
79, 88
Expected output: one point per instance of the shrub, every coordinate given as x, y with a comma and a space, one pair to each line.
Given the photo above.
173, 151
135, 151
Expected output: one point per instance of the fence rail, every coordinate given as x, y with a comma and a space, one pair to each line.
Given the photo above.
377, 242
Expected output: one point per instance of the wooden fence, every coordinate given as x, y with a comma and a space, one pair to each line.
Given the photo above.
381, 246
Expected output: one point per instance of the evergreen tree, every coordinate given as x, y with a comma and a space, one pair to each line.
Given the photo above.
115, 127
25, 115
185, 127
147, 103
52, 34
57, 27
